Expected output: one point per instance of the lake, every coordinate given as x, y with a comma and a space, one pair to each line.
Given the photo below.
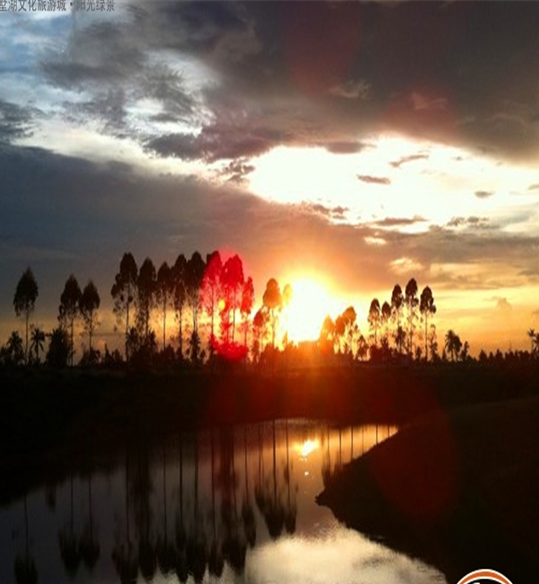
234, 504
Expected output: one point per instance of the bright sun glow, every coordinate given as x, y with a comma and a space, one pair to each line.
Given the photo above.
311, 303
305, 448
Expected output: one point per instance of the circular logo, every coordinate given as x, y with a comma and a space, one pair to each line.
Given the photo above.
484, 575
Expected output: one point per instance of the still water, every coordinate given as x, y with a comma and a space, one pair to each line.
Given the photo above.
228, 505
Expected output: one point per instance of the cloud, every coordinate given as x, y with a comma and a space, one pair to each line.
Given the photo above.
337, 213
375, 180
15, 121
406, 159
184, 146
237, 170
473, 221
398, 221
352, 89
344, 147
483, 194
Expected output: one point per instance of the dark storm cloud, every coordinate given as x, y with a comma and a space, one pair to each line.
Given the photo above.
374, 180
15, 121
237, 171
182, 146
101, 53
109, 108
457, 72
223, 140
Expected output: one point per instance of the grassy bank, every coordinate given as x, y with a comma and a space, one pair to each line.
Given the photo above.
458, 488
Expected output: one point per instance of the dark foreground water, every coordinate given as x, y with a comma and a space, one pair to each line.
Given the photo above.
227, 505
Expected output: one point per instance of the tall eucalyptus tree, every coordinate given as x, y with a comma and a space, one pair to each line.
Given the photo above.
146, 287
426, 308
69, 310
164, 293
25, 299
179, 271
89, 303
411, 302
123, 292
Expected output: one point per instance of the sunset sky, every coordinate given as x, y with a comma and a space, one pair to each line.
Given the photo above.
355, 145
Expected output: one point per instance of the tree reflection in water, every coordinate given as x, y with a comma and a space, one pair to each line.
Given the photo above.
197, 554
247, 511
234, 544
217, 508
166, 553
278, 515
181, 537
89, 544
24, 566
142, 488
216, 561
124, 557
69, 542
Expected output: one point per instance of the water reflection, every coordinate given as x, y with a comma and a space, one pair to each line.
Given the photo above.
230, 504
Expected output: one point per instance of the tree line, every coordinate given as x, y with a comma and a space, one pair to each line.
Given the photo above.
204, 307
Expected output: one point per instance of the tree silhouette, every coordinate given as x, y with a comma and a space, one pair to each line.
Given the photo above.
88, 304
272, 301
233, 280
362, 347
260, 321
123, 292
179, 271
25, 299
69, 309
385, 317
37, 342
534, 341
411, 302
344, 330
326, 338
374, 318
211, 293
59, 348
453, 344
164, 293
247, 301
13, 352
397, 301
427, 308
400, 338
146, 285
194, 274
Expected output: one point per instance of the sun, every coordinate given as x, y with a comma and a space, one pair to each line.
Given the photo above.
311, 302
